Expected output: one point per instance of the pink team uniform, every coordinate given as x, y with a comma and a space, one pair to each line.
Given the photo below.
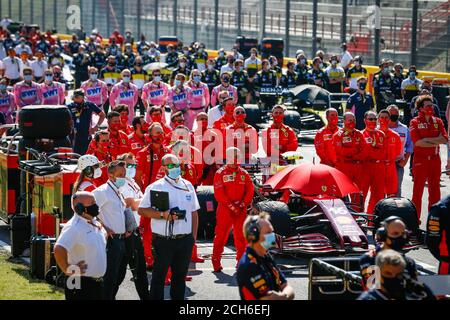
199, 101
217, 89
25, 94
52, 94
95, 92
120, 94
7, 106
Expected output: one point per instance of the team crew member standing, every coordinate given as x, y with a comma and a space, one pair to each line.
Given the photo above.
258, 276
26, 92
112, 208
360, 102
173, 238
427, 134
324, 139
374, 162
233, 190
278, 138
155, 92
118, 139
7, 103
52, 93
138, 138
126, 93
224, 85
81, 248
199, 97
96, 91
89, 168
394, 149
438, 234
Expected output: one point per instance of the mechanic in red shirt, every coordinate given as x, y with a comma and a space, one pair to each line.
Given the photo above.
233, 190
148, 162
138, 139
228, 118
394, 148
241, 135
427, 134
324, 138
374, 165
156, 115
118, 139
124, 112
349, 147
278, 138
100, 147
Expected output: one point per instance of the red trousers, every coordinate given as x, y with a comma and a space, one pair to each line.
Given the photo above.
373, 178
426, 169
391, 184
224, 222
444, 268
145, 225
351, 170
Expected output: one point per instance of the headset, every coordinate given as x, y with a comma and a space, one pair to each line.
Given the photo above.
253, 230
381, 234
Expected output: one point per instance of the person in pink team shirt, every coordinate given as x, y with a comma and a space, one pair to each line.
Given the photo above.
199, 97
26, 92
7, 104
224, 86
154, 93
52, 92
179, 98
95, 91
126, 93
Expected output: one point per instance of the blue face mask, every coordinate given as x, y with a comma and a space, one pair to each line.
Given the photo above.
120, 182
157, 78
131, 172
412, 75
177, 83
28, 77
49, 78
3, 87
94, 77
126, 79
197, 78
269, 241
174, 173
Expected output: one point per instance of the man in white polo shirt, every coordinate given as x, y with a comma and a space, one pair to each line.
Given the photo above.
112, 215
173, 234
81, 248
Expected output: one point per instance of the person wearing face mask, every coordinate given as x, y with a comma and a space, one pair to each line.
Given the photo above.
217, 112
26, 92
112, 207
110, 74
138, 139
134, 251
7, 103
225, 85
100, 148
155, 54
411, 85
278, 138
173, 236
39, 65
51, 92
376, 158
221, 59
360, 102
98, 58
438, 229
154, 93
122, 109
407, 146
58, 77
354, 73
118, 140
172, 56
95, 90
301, 67
199, 97
126, 93
229, 67
427, 133
81, 248
252, 64
394, 147
156, 115
266, 78
139, 78
275, 67
239, 79
346, 57
227, 119
129, 56
383, 82
233, 190
90, 169
81, 63
200, 58
323, 140
182, 69
55, 58
146, 56
290, 78
11, 64
349, 148
142, 44
336, 75
210, 76
258, 276
317, 74
180, 95
23, 47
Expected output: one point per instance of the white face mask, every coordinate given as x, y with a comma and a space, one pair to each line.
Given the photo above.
97, 173
182, 64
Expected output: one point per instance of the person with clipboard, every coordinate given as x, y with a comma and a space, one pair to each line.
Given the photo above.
172, 204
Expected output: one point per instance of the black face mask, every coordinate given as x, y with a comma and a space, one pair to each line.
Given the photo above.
395, 287
362, 86
111, 64
398, 243
91, 210
394, 117
226, 80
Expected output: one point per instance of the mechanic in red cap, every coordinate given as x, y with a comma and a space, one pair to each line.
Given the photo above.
148, 164
241, 135
427, 134
394, 149
283, 137
138, 139
324, 139
233, 190
349, 147
374, 164
118, 139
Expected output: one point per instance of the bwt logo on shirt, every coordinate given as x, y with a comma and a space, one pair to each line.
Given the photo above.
156, 93
50, 93
28, 93
198, 92
179, 97
93, 91
126, 94
4, 101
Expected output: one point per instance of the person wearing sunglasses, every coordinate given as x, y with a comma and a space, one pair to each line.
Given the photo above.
427, 133
173, 236
374, 163
224, 85
348, 145
154, 93
360, 102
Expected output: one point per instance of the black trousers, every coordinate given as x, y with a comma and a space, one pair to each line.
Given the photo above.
140, 106
134, 255
90, 289
173, 253
116, 266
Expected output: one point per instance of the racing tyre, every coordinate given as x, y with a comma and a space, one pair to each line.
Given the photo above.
254, 115
279, 216
400, 207
51, 122
207, 212
292, 119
